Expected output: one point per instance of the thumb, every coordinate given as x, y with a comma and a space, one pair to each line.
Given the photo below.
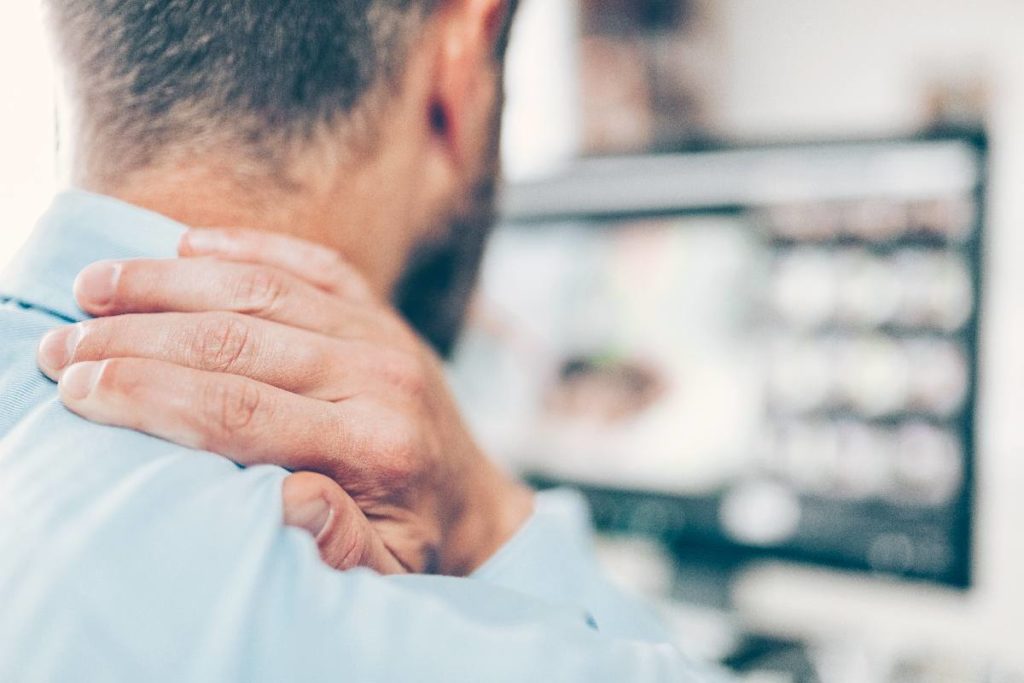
343, 534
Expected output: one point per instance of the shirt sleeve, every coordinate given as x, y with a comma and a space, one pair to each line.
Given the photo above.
552, 558
124, 558
436, 629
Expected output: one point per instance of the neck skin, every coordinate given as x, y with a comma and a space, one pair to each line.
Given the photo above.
373, 196
350, 207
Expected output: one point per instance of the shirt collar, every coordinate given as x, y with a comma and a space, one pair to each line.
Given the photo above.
81, 228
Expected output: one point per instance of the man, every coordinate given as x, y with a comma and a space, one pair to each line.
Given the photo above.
366, 129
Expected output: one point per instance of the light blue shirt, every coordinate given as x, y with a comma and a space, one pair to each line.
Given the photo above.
127, 558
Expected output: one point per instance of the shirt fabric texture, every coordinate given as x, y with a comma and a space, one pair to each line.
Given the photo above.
128, 558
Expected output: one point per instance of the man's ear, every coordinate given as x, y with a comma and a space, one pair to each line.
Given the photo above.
467, 76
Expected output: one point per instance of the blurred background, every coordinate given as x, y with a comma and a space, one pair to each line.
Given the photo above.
755, 294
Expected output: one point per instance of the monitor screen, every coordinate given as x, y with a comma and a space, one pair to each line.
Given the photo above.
758, 350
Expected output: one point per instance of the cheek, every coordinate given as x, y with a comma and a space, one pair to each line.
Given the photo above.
434, 292
439, 277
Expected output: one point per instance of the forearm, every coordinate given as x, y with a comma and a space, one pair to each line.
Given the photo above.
494, 509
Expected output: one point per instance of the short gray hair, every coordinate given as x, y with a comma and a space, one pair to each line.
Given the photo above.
151, 73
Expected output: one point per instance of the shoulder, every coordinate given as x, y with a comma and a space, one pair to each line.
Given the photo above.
63, 477
110, 533
22, 385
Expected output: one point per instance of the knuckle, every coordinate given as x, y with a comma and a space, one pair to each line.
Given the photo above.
335, 269
230, 406
260, 290
406, 373
223, 344
350, 549
330, 262
402, 445
350, 554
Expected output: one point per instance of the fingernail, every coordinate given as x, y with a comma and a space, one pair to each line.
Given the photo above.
79, 380
97, 284
312, 515
58, 348
205, 241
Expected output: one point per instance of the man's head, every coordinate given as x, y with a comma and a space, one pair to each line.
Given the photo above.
368, 125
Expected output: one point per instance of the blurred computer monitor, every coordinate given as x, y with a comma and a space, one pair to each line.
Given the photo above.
749, 350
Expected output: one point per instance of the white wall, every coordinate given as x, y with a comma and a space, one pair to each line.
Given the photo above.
541, 130
836, 67
27, 123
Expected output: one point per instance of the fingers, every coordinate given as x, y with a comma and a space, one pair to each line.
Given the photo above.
318, 265
200, 285
343, 533
296, 360
249, 422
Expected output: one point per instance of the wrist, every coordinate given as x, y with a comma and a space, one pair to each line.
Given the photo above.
495, 508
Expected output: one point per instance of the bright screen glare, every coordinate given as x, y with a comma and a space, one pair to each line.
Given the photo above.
27, 123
